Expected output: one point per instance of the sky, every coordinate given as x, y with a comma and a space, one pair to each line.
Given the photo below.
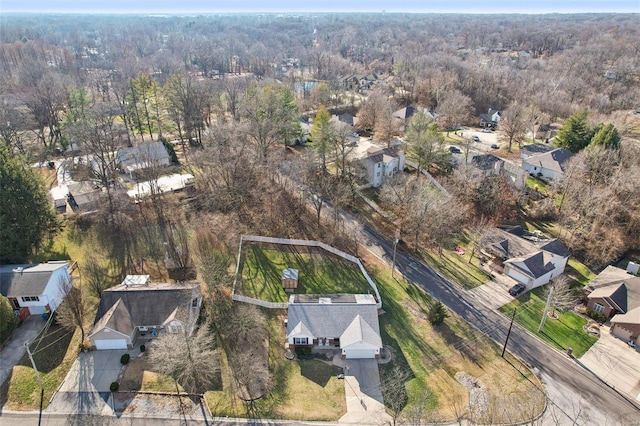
229, 6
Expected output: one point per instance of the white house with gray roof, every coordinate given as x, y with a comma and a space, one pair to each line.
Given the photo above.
549, 165
137, 307
345, 321
33, 289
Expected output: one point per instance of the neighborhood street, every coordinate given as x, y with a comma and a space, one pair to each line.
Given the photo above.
561, 373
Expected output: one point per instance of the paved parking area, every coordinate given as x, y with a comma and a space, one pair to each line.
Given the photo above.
362, 390
494, 294
86, 387
615, 363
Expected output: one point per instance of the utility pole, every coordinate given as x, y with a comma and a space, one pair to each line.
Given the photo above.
546, 308
504, 348
395, 245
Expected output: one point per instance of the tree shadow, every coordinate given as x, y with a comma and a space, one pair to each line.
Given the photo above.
465, 345
318, 371
49, 351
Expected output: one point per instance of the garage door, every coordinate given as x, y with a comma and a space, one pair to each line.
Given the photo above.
111, 344
359, 353
621, 333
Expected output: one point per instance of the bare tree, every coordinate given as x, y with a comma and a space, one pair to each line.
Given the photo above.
559, 295
94, 276
514, 124
72, 311
454, 110
190, 359
394, 393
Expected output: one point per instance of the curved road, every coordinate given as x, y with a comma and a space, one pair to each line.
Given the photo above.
579, 387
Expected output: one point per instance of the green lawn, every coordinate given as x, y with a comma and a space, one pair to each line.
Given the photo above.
319, 272
562, 333
434, 354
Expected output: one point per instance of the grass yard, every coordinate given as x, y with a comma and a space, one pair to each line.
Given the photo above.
137, 376
434, 354
302, 389
320, 272
562, 333
53, 356
462, 269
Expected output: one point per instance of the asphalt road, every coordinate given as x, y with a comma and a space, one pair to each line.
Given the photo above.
549, 363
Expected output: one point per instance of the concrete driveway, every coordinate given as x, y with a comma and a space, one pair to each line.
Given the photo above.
86, 387
613, 361
14, 349
362, 390
494, 294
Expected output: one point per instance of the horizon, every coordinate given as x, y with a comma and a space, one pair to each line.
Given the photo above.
195, 7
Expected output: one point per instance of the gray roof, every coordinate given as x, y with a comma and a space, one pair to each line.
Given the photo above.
27, 279
555, 160
116, 318
554, 246
536, 148
330, 320
631, 317
535, 265
486, 162
148, 304
615, 295
143, 155
358, 332
345, 118
613, 275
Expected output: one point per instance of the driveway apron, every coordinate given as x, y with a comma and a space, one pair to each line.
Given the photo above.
14, 349
362, 390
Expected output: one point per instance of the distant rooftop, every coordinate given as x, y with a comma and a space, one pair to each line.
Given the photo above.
361, 299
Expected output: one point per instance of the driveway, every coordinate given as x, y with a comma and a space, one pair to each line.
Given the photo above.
14, 349
86, 387
613, 361
493, 294
362, 390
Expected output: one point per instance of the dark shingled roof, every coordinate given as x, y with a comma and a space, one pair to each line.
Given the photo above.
615, 295
536, 148
26, 279
148, 304
555, 160
535, 265
485, 162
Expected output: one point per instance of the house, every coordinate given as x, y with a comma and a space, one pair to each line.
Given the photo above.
345, 321
613, 292
382, 163
141, 157
402, 116
33, 289
137, 307
305, 130
530, 259
549, 165
358, 82
627, 326
490, 164
490, 119
534, 149
81, 196
346, 119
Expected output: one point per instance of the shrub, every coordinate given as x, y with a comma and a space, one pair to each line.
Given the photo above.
143, 348
437, 313
302, 350
596, 315
114, 386
124, 359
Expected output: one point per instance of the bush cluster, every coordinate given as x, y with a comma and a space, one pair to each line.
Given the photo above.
124, 359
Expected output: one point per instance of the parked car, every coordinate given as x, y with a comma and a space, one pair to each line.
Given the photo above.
486, 130
494, 146
517, 290
454, 149
476, 139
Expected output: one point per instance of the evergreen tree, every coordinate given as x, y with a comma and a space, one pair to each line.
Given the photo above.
323, 134
26, 217
7, 319
575, 135
606, 136
437, 313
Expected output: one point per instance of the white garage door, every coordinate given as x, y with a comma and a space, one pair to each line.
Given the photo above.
621, 333
359, 353
111, 344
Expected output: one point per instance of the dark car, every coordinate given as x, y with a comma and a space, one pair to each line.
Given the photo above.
454, 149
517, 290
494, 146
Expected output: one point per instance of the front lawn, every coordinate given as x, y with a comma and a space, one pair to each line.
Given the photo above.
433, 355
302, 389
53, 355
562, 333
319, 272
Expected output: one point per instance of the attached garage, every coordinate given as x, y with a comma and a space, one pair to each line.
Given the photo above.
365, 353
110, 344
360, 341
516, 275
627, 326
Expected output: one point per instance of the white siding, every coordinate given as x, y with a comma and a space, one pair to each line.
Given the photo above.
57, 288
110, 344
359, 353
516, 275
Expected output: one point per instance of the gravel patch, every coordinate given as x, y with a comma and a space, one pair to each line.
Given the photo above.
156, 405
478, 394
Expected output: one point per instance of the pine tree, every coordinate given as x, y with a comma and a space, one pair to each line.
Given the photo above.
607, 136
575, 135
437, 313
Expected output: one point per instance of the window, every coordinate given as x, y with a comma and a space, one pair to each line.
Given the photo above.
598, 308
194, 303
299, 340
30, 299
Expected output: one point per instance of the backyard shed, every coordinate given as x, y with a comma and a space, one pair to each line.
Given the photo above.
290, 278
